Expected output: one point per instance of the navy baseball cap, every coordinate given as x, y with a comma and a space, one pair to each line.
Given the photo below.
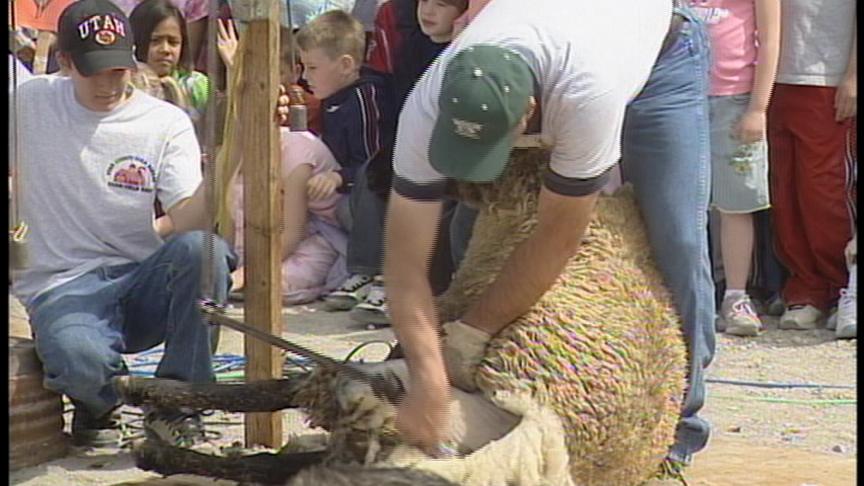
97, 35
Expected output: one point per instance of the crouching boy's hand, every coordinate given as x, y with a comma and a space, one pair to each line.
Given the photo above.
463, 349
323, 185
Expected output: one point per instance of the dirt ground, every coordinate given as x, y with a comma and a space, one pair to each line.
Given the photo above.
783, 437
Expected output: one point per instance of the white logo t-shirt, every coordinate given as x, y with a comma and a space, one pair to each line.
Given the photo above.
88, 180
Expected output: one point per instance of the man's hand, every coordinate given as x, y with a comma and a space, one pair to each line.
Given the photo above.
323, 185
423, 417
463, 349
751, 127
846, 98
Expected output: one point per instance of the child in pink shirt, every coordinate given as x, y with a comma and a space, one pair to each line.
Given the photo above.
313, 244
745, 44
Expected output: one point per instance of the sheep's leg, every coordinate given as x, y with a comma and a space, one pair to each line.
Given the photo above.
262, 468
258, 396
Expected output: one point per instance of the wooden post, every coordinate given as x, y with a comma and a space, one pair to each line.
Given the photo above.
262, 202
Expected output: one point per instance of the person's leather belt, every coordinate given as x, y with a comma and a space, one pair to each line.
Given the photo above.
672, 35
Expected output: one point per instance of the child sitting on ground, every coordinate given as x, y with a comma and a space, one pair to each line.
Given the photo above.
357, 126
161, 42
313, 244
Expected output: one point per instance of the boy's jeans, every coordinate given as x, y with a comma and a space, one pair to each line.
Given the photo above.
83, 326
361, 214
666, 155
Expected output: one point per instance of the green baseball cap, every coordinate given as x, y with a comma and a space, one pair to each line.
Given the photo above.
484, 94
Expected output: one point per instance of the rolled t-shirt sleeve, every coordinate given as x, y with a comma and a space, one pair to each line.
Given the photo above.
586, 144
180, 168
413, 175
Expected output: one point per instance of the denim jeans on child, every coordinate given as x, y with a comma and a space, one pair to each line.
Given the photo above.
666, 156
361, 214
83, 326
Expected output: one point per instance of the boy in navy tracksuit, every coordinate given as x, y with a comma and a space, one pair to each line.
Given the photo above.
358, 127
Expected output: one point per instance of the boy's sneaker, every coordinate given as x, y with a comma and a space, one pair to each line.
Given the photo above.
801, 317
179, 428
352, 292
91, 431
847, 315
373, 310
739, 317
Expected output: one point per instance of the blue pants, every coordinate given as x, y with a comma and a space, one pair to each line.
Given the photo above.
361, 214
666, 156
83, 327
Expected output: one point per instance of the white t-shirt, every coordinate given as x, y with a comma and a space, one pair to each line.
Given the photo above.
589, 60
89, 180
816, 38
16, 67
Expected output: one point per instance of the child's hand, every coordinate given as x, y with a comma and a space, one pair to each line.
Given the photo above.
751, 127
851, 251
283, 107
845, 101
238, 280
323, 185
228, 42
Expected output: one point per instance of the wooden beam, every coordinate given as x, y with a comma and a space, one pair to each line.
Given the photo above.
262, 207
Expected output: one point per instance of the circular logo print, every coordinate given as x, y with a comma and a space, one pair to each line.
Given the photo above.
105, 37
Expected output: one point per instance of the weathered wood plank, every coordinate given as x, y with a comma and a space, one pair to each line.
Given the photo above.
263, 211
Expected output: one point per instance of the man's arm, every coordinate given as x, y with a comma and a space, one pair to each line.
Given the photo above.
751, 126
536, 263
190, 214
410, 237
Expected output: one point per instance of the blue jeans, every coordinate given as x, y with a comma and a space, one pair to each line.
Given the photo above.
666, 156
361, 214
83, 327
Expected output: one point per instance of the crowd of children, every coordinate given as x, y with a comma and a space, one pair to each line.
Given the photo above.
782, 115
805, 141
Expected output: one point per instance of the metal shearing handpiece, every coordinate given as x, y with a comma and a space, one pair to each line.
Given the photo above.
387, 386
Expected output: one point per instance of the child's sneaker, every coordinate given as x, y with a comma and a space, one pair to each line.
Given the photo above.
800, 317
739, 316
349, 294
847, 314
373, 310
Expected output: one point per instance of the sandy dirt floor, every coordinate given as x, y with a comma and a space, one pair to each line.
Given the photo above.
784, 437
